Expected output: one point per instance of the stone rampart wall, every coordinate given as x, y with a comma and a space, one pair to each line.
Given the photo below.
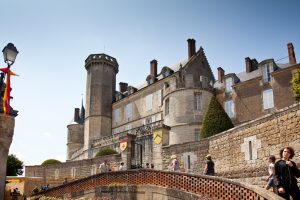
54, 174
244, 150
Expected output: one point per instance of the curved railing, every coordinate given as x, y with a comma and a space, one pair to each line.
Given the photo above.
209, 187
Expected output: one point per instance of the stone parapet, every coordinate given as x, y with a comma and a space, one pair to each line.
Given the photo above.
158, 185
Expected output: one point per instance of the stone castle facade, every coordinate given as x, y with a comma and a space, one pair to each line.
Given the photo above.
163, 117
168, 109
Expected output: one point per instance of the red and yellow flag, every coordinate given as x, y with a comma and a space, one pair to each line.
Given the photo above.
6, 97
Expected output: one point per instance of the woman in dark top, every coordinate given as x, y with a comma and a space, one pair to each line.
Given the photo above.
209, 166
286, 172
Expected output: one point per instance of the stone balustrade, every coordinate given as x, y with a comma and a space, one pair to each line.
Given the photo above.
191, 186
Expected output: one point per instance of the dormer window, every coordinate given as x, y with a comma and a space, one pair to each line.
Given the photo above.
266, 72
228, 84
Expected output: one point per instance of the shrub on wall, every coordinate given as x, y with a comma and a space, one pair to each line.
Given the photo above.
216, 119
106, 151
296, 85
50, 161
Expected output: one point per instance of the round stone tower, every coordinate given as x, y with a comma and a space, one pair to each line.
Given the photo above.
100, 93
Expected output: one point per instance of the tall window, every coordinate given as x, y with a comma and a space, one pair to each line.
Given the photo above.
149, 102
167, 105
204, 81
229, 108
128, 111
197, 101
93, 170
267, 69
197, 134
56, 174
73, 172
128, 127
159, 97
268, 101
228, 84
117, 115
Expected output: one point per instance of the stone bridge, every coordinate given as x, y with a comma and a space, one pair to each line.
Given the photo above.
148, 184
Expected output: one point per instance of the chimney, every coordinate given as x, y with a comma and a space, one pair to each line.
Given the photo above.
221, 73
153, 68
254, 64
191, 47
248, 65
292, 57
123, 87
76, 115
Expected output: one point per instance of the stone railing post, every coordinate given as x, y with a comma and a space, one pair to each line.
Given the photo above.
7, 124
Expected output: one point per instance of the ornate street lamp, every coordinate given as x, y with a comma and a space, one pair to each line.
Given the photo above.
10, 53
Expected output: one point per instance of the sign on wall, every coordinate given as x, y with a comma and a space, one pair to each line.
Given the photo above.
123, 145
157, 136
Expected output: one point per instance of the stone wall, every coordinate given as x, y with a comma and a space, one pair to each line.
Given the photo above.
54, 174
244, 150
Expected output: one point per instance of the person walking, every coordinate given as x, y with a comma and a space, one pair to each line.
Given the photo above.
271, 169
286, 172
209, 168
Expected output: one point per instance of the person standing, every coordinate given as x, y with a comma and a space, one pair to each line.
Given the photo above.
271, 169
209, 168
174, 165
286, 172
121, 167
103, 167
65, 181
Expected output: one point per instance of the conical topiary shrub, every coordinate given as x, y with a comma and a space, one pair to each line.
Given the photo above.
216, 119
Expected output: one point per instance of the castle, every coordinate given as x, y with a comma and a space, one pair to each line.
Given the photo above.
168, 109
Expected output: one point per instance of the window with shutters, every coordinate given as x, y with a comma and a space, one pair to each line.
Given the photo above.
268, 101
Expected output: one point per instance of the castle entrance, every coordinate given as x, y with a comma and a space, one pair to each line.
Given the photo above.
141, 152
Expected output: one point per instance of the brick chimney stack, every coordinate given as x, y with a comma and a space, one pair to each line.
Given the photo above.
123, 87
248, 65
76, 115
292, 57
221, 73
153, 68
191, 47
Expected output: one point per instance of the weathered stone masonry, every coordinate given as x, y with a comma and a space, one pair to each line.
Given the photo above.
242, 152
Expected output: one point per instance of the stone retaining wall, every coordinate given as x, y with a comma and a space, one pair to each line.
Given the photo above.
242, 152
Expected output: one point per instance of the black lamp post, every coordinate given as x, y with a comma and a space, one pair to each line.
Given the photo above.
10, 53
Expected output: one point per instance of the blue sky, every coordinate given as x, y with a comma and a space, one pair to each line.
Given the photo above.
55, 37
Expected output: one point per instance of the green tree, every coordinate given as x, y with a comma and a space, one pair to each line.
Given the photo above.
106, 151
50, 161
296, 85
216, 119
14, 166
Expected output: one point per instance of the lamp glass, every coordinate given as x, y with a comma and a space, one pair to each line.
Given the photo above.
10, 53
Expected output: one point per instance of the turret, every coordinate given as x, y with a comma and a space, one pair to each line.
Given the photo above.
75, 133
100, 94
